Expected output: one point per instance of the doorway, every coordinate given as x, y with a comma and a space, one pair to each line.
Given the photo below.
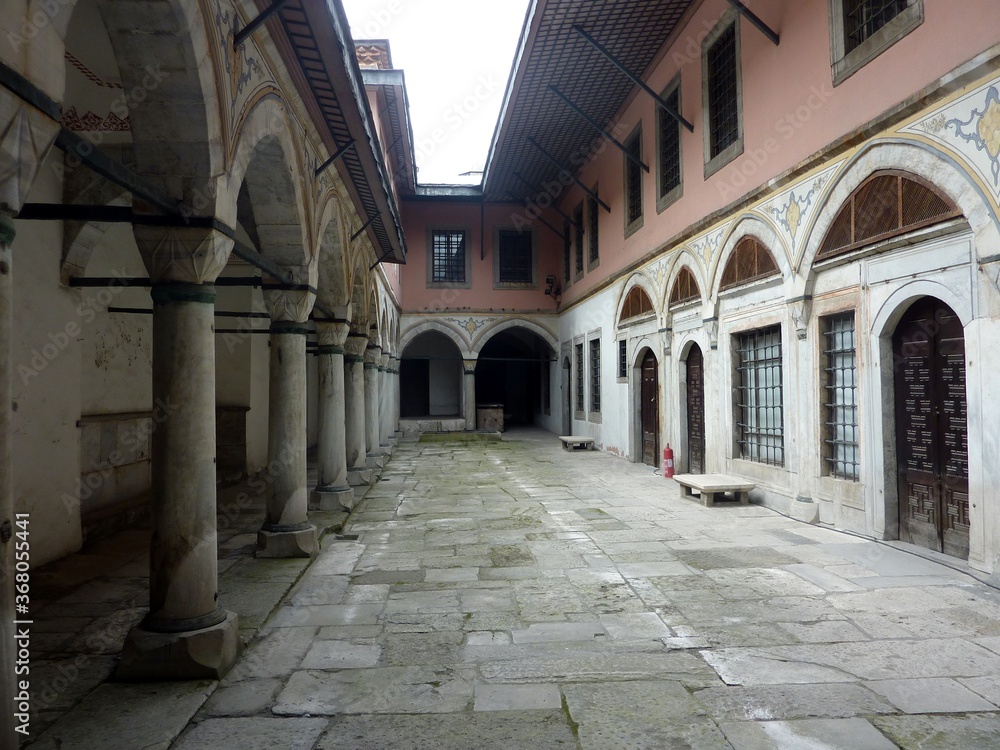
649, 397
931, 428
696, 410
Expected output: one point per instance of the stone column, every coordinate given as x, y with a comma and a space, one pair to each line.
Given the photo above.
286, 531
396, 397
384, 403
372, 356
185, 634
333, 492
358, 472
469, 393
27, 136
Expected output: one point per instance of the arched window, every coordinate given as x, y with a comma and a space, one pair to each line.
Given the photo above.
685, 288
749, 261
885, 205
637, 303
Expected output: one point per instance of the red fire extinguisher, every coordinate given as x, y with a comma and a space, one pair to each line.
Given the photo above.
668, 461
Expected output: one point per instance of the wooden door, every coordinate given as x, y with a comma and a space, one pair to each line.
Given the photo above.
931, 444
650, 410
696, 411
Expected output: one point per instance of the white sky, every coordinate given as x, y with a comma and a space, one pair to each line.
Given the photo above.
457, 56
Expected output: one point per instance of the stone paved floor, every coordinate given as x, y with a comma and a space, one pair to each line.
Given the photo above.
513, 595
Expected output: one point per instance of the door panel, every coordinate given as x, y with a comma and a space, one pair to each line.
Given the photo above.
650, 412
696, 411
931, 429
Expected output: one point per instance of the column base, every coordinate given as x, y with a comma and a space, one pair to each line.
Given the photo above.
386, 448
332, 498
375, 461
205, 654
295, 542
398, 434
394, 441
359, 477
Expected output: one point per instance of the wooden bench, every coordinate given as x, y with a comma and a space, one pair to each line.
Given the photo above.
710, 485
577, 442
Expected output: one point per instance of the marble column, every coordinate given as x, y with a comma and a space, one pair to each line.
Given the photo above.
394, 398
372, 355
358, 472
384, 403
333, 491
397, 399
469, 393
286, 531
185, 634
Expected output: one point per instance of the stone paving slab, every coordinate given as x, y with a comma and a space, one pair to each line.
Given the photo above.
258, 733
811, 734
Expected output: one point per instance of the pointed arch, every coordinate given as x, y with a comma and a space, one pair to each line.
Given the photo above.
423, 326
488, 333
333, 274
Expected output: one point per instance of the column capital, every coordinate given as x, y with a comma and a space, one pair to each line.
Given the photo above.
289, 305
372, 355
190, 255
383, 361
332, 332
469, 366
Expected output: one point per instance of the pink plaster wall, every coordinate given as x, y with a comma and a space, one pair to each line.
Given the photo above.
420, 217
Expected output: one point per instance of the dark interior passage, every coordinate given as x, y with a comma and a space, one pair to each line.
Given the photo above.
510, 372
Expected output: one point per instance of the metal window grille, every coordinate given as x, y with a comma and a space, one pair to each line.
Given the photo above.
578, 237
633, 178
723, 110
840, 384
515, 257
670, 146
863, 18
595, 375
579, 377
592, 222
760, 424
546, 388
566, 252
622, 359
448, 256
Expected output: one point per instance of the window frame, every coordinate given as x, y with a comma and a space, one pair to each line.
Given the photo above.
579, 379
594, 377
663, 120
750, 418
829, 406
714, 163
579, 261
567, 254
498, 231
593, 231
449, 228
844, 64
628, 168
622, 363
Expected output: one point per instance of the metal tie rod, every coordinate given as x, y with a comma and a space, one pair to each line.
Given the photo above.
555, 161
241, 36
594, 124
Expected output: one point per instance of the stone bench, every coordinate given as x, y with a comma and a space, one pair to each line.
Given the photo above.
709, 485
577, 442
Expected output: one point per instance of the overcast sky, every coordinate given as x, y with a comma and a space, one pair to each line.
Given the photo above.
456, 55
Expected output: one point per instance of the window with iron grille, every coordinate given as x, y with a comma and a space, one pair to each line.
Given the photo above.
669, 149
633, 180
566, 253
595, 375
840, 386
592, 228
861, 30
722, 84
515, 264
578, 237
448, 254
622, 359
759, 411
579, 377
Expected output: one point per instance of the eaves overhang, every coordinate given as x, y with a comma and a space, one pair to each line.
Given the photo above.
392, 85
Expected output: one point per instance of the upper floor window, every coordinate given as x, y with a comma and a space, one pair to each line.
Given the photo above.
578, 238
863, 29
722, 96
669, 147
633, 182
448, 258
515, 258
567, 245
592, 230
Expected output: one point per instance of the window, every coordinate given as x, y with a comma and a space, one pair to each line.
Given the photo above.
566, 252
448, 259
722, 96
633, 182
637, 304
861, 30
579, 377
685, 288
592, 230
578, 238
595, 375
748, 262
622, 359
759, 413
840, 386
514, 260
669, 149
